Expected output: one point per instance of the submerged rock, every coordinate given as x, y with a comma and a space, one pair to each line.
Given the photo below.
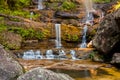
108, 34
10, 69
43, 74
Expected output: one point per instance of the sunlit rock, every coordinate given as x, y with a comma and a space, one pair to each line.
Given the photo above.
43, 74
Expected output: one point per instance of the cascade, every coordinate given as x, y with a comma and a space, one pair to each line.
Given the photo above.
62, 54
83, 44
28, 55
32, 55
31, 15
49, 54
40, 6
89, 5
89, 20
38, 55
58, 35
73, 54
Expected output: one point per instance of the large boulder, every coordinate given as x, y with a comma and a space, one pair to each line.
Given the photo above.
108, 35
43, 74
10, 40
10, 69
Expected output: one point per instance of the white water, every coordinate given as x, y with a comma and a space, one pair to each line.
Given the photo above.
89, 20
49, 54
40, 5
31, 15
84, 44
58, 35
89, 5
73, 54
32, 55
62, 54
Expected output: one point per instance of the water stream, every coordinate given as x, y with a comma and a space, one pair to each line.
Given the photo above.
58, 35
40, 5
31, 15
89, 21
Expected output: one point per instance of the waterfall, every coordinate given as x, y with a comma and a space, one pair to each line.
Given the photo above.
89, 20
31, 15
40, 6
73, 54
49, 54
32, 55
88, 5
58, 35
83, 44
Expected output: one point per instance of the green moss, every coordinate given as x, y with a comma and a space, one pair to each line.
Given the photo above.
68, 5
3, 27
72, 38
102, 1
29, 33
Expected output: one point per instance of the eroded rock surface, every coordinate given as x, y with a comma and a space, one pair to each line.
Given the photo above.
43, 74
10, 69
108, 35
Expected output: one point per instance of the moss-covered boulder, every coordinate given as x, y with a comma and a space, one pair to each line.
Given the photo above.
10, 40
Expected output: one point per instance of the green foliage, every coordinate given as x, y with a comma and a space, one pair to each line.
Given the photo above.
28, 33
68, 5
95, 56
18, 4
3, 27
102, 1
73, 38
25, 14
25, 2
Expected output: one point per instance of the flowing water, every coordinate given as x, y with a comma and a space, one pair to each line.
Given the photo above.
89, 20
88, 5
29, 55
40, 5
31, 15
58, 35
49, 54
84, 44
84, 74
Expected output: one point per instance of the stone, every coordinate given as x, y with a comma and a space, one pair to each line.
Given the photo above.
116, 58
43, 74
10, 69
107, 37
65, 15
10, 40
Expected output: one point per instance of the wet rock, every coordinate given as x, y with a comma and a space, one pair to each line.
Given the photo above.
66, 15
43, 74
105, 7
35, 2
108, 34
84, 53
10, 40
116, 58
10, 69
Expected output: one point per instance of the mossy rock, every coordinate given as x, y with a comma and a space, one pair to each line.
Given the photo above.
70, 33
10, 40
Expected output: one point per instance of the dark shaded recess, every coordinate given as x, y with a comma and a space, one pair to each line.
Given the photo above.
64, 15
